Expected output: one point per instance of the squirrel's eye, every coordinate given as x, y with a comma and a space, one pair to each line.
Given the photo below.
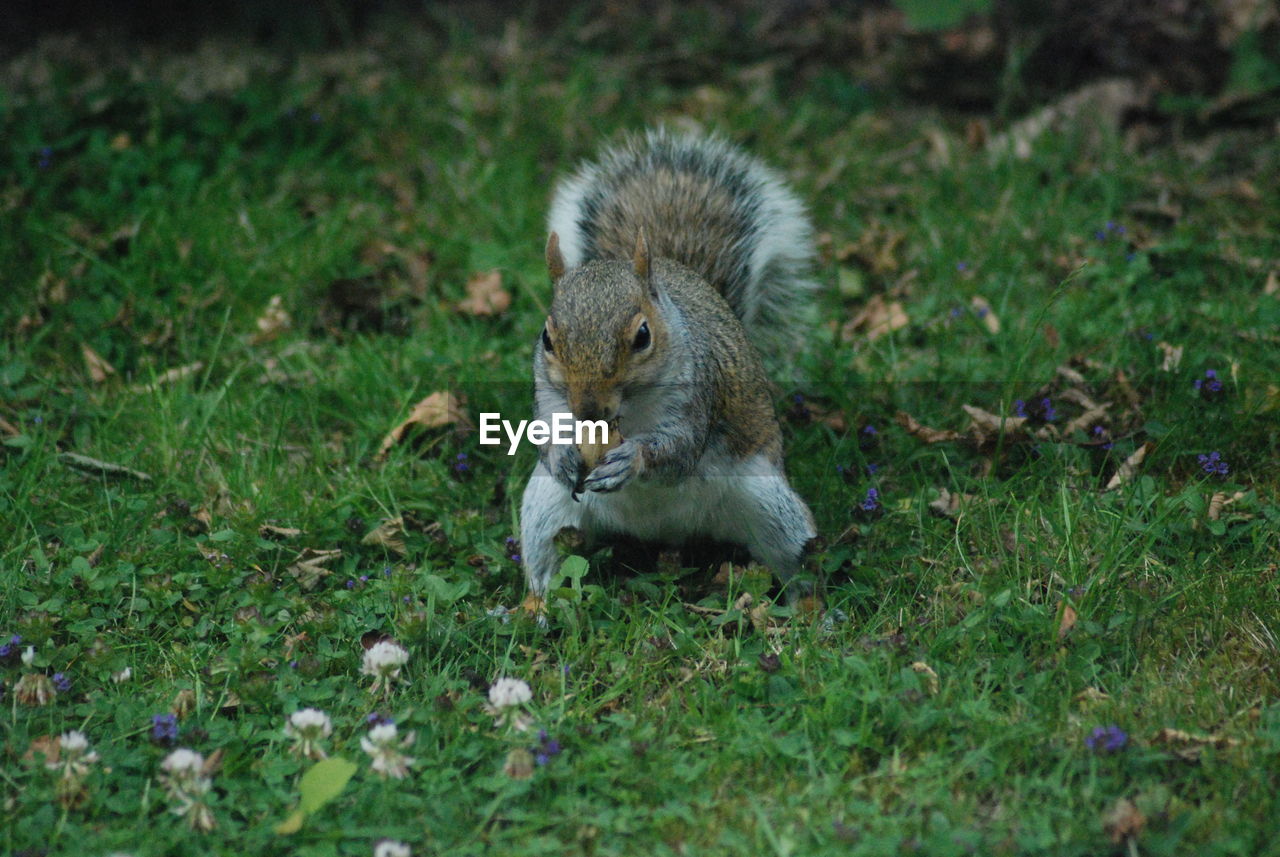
642, 337
546, 341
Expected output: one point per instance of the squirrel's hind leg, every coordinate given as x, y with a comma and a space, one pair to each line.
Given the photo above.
776, 527
546, 508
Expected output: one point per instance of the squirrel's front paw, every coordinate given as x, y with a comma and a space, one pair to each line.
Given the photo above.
565, 463
618, 467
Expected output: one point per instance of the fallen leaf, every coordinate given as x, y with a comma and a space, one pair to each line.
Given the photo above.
1220, 501
275, 319
47, 746
1172, 356
309, 566
183, 703
1272, 286
923, 432
950, 505
1099, 105
983, 424
99, 368
271, 531
983, 310
168, 377
389, 534
1066, 620
100, 468
485, 295
8, 429
930, 677
877, 318
1124, 821
1090, 417
1129, 467
438, 410
1187, 746
1091, 695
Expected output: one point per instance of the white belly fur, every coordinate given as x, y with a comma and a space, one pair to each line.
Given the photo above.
707, 504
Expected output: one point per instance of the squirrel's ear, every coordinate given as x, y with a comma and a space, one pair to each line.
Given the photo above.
641, 259
555, 261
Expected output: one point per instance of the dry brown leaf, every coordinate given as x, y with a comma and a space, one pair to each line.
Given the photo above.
99, 368
983, 310
1129, 468
1172, 356
485, 295
1090, 695
930, 677
950, 505
1090, 417
168, 377
8, 429
984, 423
438, 410
309, 566
47, 746
1066, 620
1100, 105
275, 319
271, 531
1124, 821
1272, 286
183, 703
1220, 501
388, 534
923, 432
533, 605
1188, 746
121, 141
876, 319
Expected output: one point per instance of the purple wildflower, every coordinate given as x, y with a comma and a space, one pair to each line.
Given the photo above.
364, 578
1020, 408
872, 501
1209, 383
962, 266
956, 312
872, 469
870, 431
10, 647
61, 683
46, 158
377, 718
1047, 410
1107, 739
164, 729
351, 584
1213, 464
547, 747
460, 465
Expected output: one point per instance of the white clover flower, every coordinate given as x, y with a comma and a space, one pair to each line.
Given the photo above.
122, 676
383, 661
391, 848
183, 763
384, 745
508, 692
74, 756
185, 780
308, 727
28, 656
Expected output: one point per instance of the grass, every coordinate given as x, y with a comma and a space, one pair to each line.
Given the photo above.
151, 217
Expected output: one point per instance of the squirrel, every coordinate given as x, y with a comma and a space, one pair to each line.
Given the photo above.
675, 261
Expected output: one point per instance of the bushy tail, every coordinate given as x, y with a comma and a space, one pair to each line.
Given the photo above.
705, 204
